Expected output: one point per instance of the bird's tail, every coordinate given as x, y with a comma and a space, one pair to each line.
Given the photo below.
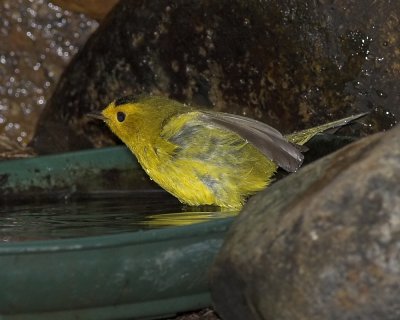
301, 137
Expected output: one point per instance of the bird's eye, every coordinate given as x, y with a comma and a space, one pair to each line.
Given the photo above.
120, 116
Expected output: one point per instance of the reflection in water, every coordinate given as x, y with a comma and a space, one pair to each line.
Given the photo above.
184, 218
140, 211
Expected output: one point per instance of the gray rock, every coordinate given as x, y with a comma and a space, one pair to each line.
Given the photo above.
323, 243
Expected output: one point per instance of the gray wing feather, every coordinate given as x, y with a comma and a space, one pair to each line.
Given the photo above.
265, 138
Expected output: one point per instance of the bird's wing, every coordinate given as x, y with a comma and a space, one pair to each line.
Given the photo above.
266, 139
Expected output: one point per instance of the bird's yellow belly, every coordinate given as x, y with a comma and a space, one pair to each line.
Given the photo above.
199, 183
184, 182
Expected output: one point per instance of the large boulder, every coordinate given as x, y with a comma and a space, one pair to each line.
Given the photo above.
289, 63
320, 244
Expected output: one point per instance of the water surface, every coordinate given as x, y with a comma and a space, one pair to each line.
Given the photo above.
98, 216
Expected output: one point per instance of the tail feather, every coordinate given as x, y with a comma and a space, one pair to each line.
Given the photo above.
301, 137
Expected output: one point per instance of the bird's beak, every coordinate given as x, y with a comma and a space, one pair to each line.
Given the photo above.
96, 115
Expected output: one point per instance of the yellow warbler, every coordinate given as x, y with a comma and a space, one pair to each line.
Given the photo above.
204, 157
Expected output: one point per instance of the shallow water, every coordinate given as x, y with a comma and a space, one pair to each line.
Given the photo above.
93, 217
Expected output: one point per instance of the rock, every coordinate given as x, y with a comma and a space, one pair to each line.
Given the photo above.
10, 149
38, 40
321, 244
292, 64
96, 9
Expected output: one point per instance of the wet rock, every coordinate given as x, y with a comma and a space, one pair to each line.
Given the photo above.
10, 149
38, 39
320, 244
292, 64
96, 9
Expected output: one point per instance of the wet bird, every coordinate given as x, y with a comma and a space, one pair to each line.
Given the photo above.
205, 157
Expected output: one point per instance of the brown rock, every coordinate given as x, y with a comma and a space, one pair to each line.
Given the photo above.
96, 9
320, 244
38, 40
